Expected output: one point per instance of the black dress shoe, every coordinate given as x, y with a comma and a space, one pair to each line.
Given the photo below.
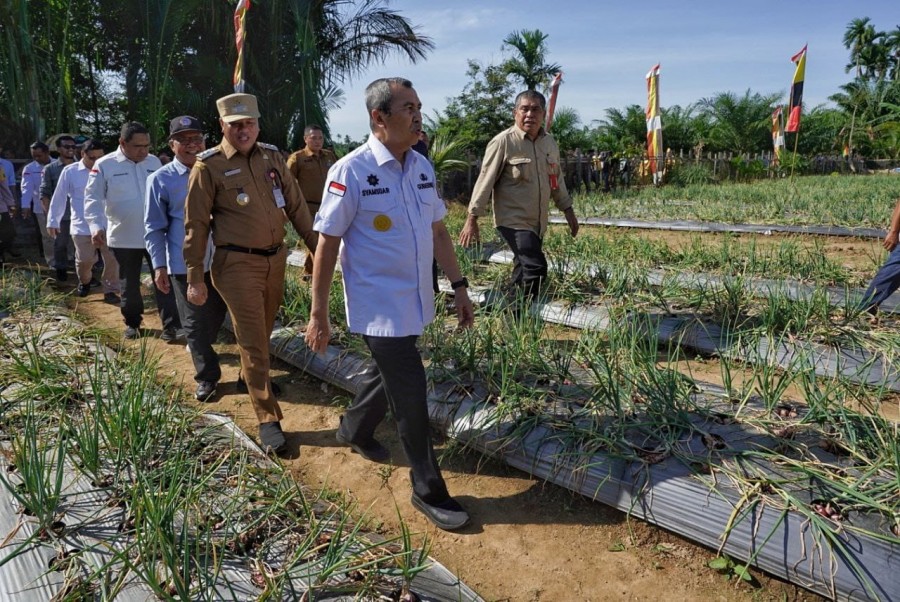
271, 437
448, 515
241, 386
372, 450
205, 390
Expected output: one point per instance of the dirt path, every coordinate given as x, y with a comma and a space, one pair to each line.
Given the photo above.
529, 541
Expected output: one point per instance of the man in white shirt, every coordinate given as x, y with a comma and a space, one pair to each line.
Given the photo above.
382, 214
30, 186
114, 209
69, 192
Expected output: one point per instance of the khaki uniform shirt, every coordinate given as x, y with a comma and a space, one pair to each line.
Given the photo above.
311, 170
520, 176
217, 178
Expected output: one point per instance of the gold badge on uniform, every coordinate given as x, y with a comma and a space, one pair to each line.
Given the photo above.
243, 199
382, 222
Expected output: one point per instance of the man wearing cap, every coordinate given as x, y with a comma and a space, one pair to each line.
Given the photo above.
381, 213
69, 197
243, 192
310, 166
164, 234
114, 209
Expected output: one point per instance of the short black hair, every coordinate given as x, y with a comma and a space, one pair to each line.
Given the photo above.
312, 127
64, 137
91, 144
533, 95
130, 129
38, 145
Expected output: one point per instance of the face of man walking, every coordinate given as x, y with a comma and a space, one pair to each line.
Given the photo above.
402, 126
241, 134
529, 116
137, 148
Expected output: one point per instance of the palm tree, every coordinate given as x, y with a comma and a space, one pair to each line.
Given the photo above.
528, 64
859, 35
740, 124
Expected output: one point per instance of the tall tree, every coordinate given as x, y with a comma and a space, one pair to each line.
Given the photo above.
530, 54
739, 123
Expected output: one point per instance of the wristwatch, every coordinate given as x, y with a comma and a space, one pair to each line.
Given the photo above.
462, 282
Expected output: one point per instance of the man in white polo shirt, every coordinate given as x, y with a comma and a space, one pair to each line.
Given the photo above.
114, 198
381, 211
69, 193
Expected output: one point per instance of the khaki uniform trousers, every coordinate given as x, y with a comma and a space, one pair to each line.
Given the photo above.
86, 257
252, 287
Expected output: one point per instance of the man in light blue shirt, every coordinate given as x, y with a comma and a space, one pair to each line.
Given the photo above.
164, 234
381, 212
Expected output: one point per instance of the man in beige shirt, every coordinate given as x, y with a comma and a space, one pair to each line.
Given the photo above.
520, 174
309, 167
243, 191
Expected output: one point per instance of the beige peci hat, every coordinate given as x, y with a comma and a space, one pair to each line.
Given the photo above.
235, 107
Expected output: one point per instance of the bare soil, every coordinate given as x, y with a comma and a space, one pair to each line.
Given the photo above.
529, 541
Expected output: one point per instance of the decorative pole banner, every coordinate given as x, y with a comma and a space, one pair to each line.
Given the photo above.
654, 126
240, 17
554, 90
799, 59
778, 133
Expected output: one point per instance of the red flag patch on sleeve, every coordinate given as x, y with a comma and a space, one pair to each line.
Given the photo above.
336, 188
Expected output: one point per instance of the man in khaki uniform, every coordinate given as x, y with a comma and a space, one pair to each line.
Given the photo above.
310, 167
242, 190
521, 175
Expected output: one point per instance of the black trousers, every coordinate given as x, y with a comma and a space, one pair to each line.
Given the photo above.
7, 233
201, 324
132, 305
61, 245
529, 263
397, 378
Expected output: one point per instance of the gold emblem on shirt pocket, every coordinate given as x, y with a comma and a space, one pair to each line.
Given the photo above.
517, 169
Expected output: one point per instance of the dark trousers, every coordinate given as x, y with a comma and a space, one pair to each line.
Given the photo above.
397, 378
7, 234
529, 262
885, 282
61, 245
201, 324
132, 305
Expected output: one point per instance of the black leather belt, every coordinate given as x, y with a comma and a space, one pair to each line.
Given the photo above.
264, 252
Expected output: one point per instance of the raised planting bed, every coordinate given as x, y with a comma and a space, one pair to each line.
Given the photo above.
748, 480
112, 490
698, 226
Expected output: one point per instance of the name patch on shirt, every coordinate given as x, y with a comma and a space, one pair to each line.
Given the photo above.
372, 191
232, 172
337, 188
425, 183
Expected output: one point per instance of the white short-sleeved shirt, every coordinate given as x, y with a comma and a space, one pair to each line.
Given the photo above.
383, 211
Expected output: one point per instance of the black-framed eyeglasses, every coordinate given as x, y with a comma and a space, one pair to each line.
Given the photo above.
190, 139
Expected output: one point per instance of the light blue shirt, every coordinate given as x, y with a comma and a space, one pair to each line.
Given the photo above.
383, 212
72, 181
10, 172
167, 189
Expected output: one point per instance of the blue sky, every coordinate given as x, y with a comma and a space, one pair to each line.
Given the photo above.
606, 48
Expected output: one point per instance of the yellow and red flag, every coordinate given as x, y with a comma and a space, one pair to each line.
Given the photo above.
654, 126
554, 90
778, 132
240, 29
799, 59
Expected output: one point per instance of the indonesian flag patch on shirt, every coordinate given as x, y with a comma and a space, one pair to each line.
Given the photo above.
336, 188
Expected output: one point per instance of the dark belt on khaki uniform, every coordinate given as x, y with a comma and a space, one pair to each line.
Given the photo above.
264, 252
